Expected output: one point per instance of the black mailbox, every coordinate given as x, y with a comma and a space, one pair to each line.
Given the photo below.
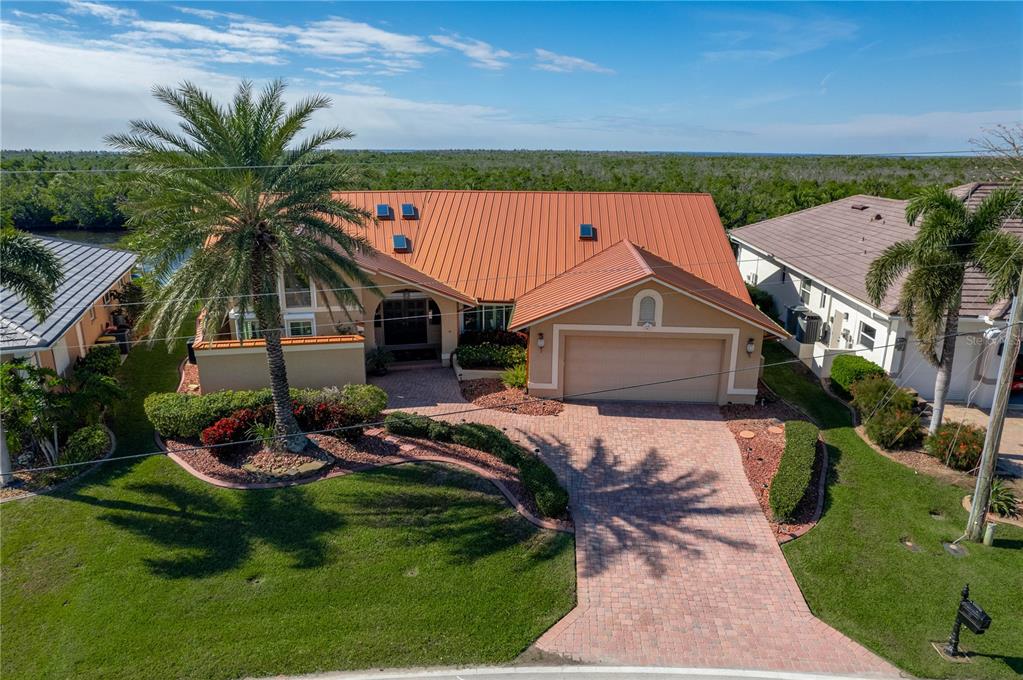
975, 618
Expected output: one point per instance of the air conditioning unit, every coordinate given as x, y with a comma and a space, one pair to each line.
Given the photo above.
793, 314
808, 330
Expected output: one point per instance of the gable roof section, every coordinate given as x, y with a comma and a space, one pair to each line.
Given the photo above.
89, 271
617, 267
496, 245
378, 262
834, 243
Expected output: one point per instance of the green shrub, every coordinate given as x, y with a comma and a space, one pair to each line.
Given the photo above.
101, 359
377, 360
86, 444
489, 355
762, 300
495, 337
894, 427
540, 480
958, 445
366, 400
487, 438
515, 376
846, 369
795, 469
1003, 501
187, 415
440, 431
873, 391
406, 424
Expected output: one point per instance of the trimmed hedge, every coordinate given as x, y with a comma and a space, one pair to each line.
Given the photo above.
795, 469
878, 393
847, 369
537, 477
762, 300
88, 443
960, 443
101, 359
490, 355
895, 428
187, 415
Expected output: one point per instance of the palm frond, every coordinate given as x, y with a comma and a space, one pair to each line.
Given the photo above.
29, 269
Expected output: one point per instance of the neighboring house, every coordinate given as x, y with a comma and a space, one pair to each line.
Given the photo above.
613, 289
82, 307
814, 264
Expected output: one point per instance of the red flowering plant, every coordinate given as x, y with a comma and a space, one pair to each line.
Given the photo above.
223, 436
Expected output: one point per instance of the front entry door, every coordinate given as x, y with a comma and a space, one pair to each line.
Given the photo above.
405, 321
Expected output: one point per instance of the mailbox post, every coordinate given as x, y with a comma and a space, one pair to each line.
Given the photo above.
972, 616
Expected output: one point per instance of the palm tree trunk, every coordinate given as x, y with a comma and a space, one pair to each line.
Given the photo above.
944, 376
289, 434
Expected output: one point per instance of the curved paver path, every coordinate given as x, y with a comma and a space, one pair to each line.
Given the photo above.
676, 564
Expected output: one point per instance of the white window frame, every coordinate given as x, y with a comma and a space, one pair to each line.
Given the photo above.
241, 324
860, 335
482, 309
284, 294
658, 307
806, 290
288, 318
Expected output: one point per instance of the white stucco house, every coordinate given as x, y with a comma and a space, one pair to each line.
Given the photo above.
814, 264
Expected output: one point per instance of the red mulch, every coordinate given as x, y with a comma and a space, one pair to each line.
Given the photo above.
229, 467
761, 456
492, 393
189, 379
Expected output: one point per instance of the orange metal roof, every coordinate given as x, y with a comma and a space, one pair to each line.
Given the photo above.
385, 264
621, 265
496, 245
287, 342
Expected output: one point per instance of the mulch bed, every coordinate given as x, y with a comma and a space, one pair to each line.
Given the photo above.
492, 393
27, 483
376, 448
761, 456
189, 379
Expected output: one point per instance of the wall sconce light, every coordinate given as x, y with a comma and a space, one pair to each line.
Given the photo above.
750, 346
540, 342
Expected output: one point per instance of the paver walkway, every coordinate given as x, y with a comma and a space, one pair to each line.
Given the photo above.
676, 564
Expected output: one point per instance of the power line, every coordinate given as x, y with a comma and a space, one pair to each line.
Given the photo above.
525, 400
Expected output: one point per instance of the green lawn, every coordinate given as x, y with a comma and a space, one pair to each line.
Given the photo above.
859, 578
141, 571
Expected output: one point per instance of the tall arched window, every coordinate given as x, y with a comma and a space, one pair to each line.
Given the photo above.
646, 308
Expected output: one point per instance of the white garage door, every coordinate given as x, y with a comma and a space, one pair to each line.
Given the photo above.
597, 367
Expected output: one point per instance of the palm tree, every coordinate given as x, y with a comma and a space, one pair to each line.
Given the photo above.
950, 239
224, 206
30, 270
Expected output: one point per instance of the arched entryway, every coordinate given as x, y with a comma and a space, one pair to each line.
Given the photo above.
408, 324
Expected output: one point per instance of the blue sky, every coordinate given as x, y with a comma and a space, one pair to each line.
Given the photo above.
761, 77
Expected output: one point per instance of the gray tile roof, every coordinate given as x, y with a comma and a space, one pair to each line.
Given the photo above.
835, 244
89, 271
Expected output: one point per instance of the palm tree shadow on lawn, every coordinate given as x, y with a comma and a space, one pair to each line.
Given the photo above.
214, 534
639, 509
200, 534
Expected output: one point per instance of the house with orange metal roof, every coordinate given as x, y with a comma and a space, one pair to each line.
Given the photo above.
621, 296
814, 265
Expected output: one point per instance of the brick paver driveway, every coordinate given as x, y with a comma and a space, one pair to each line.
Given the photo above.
676, 564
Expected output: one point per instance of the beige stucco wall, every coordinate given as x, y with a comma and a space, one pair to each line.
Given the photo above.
310, 366
680, 312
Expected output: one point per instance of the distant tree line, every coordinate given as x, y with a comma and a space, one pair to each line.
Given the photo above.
746, 188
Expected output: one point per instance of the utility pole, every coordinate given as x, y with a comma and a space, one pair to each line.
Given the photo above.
993, 440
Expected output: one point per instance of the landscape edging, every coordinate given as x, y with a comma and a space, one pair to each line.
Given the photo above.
60, 485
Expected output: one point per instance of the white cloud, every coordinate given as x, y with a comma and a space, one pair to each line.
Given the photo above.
176, 31
363, 88
339, 37
44, 16
767, 36
482, 54
561, 63
114, 15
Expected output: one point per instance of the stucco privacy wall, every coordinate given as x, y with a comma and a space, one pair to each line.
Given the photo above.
682, 317
308, 366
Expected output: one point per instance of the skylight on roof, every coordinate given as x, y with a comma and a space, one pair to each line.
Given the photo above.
408, 211
384, 211
402, 243
587, 232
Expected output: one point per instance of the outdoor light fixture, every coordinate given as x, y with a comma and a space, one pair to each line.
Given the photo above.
539, 340
972, 616
750, 346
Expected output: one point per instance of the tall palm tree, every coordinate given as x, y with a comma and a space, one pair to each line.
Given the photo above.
950, 239
30, 270
224, 206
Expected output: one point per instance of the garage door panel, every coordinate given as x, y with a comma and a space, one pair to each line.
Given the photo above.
622, 367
